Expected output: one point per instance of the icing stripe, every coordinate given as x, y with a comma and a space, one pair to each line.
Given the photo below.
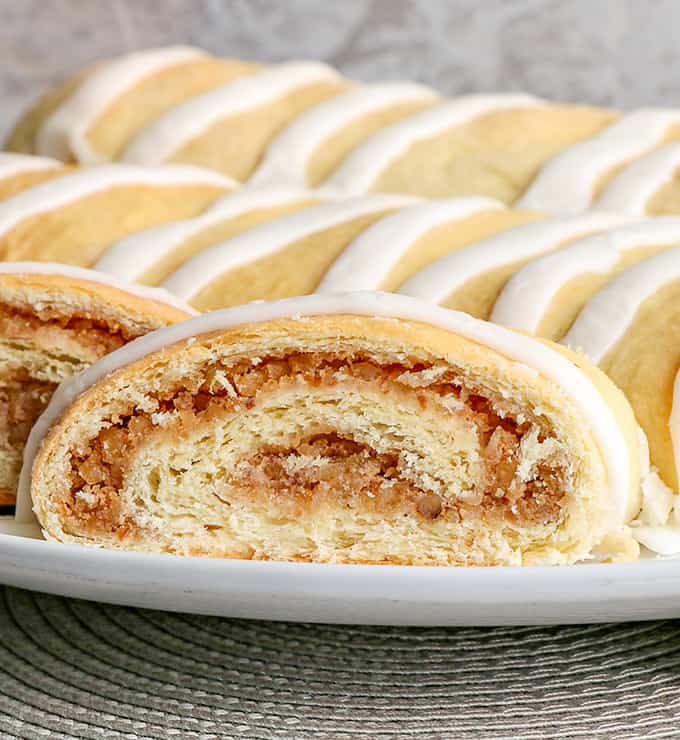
169, 133
363, 166
92, 276
566, 184
539, 357
440, 279
12, 165
289, 154
370, 258
269, 238
631, 190
606, 317
64, 133
131, 257
63, 190
530, 291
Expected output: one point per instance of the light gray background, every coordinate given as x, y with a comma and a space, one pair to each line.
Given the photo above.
619, 52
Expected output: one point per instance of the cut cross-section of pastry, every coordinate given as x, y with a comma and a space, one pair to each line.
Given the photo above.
358, 428
470, 279
546, 295
73, 218
229, 127
54, 322
284, 257
152, 255
91, 118
630, 329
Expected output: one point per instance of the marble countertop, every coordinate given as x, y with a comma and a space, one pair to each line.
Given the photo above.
613, 52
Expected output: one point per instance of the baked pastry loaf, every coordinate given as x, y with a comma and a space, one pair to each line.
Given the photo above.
348, 428
629, 329
55, 321
150, 256
367, 242
546, 295
71, 216
471, 278
21, 171
301, 123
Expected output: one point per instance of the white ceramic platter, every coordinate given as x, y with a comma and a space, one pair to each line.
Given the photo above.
358, 594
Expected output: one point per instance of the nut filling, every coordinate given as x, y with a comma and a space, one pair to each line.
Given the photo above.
324, 466
22, 400
105, 337
45, 335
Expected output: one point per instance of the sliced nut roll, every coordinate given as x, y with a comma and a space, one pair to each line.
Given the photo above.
354, 428
54, 322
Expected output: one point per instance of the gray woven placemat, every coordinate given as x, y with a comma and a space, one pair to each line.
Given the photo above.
72, 668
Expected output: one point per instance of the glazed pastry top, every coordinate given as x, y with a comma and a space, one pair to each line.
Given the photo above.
352, 138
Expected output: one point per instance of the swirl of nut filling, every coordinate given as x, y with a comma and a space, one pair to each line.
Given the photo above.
54, 322
265, 432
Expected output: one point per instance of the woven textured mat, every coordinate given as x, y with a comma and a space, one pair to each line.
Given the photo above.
78, 669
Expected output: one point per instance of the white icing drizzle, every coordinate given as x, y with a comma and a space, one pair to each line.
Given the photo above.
12, 165
289, 154
440, 279
528, 352
363, 166
657, 526
605, 319
601, 324
530, 292
64, 190
370, 258
159, 295
632, 188
567, 182
169, 133
268, 238
131, 257
64, 133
